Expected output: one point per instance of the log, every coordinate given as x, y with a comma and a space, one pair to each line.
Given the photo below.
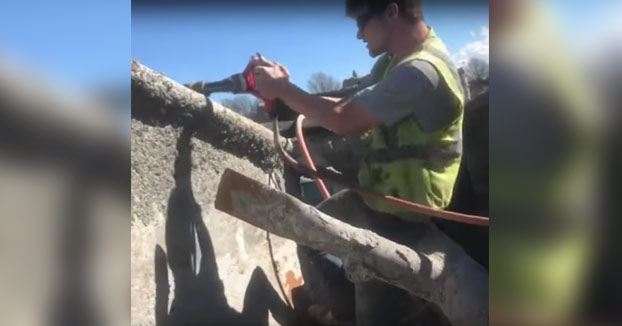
158, 100
437, 270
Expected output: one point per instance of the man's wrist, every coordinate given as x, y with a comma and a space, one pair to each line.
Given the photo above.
286, 91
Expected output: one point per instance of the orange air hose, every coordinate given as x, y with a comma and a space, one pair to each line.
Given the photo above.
305, 152
410, 206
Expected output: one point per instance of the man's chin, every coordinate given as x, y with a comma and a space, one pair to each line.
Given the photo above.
373, 53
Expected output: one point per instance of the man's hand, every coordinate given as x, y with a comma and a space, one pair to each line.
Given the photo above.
270, 77
256, 61
271, 80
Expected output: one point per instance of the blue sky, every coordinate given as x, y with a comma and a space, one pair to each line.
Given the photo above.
87, 43
211, 43
80, 44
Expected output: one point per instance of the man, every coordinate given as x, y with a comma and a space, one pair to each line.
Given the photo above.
410, 121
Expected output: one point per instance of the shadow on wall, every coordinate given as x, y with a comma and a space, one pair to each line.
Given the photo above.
199, 297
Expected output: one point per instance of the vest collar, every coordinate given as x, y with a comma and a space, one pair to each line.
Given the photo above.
430, 38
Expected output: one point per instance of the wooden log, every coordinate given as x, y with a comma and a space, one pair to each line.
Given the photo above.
437, 270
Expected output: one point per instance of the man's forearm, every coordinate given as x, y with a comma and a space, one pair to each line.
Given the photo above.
324, 111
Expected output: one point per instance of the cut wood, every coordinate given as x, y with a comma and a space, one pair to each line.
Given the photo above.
437, 270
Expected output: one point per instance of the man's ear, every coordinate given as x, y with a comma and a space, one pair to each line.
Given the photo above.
392, 11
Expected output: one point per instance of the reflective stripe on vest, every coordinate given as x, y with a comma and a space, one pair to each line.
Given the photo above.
448, 152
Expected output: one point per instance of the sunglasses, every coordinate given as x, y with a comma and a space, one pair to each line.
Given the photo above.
362, 20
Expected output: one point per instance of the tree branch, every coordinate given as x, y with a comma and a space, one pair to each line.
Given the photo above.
438, 271
158, 100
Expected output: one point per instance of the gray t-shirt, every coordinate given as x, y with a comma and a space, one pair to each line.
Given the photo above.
413, 88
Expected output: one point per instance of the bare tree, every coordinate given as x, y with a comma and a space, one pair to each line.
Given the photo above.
477, 70
476, 73
320, 82
242, 104
464, 83
248, 106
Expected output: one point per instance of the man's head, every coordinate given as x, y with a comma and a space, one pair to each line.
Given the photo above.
379, 20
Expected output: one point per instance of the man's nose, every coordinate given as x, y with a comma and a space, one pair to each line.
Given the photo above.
359, 34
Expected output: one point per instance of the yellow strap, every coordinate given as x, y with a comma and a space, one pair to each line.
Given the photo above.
434, 51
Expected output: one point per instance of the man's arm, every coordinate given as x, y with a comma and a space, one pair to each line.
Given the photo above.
406, 90
341, 116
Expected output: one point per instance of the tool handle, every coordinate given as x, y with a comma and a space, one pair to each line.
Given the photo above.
252, 88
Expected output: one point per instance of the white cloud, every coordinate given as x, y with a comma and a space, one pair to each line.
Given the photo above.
477, 48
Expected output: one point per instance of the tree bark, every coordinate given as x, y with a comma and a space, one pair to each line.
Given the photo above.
158, 100
438, 270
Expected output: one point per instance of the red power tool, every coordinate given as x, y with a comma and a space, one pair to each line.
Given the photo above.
244, 82
238, 83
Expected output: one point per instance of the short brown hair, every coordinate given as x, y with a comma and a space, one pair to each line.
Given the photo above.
411, 10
